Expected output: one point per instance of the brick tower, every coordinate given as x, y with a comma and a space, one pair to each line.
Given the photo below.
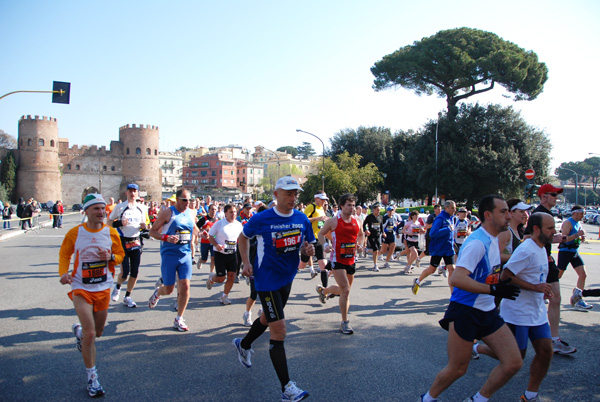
140, 159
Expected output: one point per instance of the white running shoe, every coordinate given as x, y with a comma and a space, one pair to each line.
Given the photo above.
199, 264
158, 283
94, 388
440, 270
386, 265
224, 299
562, 348
180, 325
375, 268
115, 294
244, 355
445, 272
577, 295
209, 282
247, 318
77, 332
418, 264
128, 301
291, 393
153, 301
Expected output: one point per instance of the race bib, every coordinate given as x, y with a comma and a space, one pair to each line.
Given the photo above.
416, 231
184, 236
461, 233
287, 241
94, 272
229, 246
347, 250
133, 245
494, 277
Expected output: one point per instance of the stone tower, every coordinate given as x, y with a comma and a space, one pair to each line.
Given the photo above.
140, 159
38, 172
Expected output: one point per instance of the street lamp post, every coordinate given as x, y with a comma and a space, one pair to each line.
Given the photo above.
576, 183
436, 156
323, 172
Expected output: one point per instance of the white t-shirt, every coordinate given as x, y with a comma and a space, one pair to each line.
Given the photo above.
226, 234
529, 263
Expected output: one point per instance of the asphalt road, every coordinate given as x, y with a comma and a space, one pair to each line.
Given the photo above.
396, 350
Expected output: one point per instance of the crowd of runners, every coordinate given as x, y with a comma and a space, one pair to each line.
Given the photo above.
502, 277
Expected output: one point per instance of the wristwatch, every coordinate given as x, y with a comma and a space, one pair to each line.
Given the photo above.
112, 257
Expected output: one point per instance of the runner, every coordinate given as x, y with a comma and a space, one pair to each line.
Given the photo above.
412, 230
472, 314
317, 216
372, 228
97, 250
204, 224
223, 237
282, 232
347, 237
388, 234
129, 218
568, 251
174, 226
462, 229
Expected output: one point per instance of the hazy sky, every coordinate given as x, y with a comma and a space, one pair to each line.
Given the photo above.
251, 73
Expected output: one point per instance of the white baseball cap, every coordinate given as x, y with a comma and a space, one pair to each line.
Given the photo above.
288, 183
521, 206
321, 196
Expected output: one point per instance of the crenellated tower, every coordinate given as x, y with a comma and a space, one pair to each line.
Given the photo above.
39, 171
140, 159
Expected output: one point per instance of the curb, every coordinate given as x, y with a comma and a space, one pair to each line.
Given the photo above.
19, 232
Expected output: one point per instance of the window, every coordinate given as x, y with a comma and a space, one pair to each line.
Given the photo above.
104, 168
214, 173
41, 142
155, 152
51, 143
29, 142
77, 167
217, 163
232, 172
112, 168
127, 152
148, 151
203, 173
68, 166
138, 151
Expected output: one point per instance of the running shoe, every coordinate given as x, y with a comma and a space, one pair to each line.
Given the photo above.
291, 393
440, 270
313, 273
445, 272
247, 318
562, 348
153, 301
158, 283
582, 305
469, 399
386, 265
407, 269
77, 332
321, 294
576, 296
415, 286
244, 355
180, 325
94, 388
375, 268
474, 354
128, 301
224, 300
115, 294
259, 312
524, 399
418, 264
237, 279
346, 329
199, 264
209, 282
193, 261
247, 280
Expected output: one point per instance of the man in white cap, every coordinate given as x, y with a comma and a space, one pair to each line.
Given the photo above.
129, 217
316, 216
282, 233
98, 249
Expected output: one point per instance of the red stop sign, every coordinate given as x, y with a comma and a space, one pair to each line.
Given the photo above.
529, 174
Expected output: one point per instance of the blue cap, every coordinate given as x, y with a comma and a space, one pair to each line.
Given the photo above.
133, 186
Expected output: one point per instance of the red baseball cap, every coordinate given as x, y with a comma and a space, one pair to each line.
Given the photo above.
549, 188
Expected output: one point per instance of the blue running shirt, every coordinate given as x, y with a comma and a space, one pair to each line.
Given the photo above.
480, 254
279, 238
181, 224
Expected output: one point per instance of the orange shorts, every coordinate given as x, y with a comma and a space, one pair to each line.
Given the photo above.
100, 300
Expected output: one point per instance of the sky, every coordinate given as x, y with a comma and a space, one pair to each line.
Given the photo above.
214, 73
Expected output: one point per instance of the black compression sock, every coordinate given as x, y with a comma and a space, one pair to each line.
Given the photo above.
256, 330
324, 278
277, 354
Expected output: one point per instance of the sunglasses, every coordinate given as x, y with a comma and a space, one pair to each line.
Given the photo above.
553, 194
185, 199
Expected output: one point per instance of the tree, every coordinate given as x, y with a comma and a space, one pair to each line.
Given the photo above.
305, 150
7, 140
289, 149
274, 172
183, 149
486, 150
8, 174
344, 176
459, 63
588, 169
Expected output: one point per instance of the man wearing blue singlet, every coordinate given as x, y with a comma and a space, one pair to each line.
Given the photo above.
282, 233
175, 226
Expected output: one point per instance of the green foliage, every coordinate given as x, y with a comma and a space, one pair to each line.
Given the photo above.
8, 175
462, 62
305, 150
588, 171
289, 149
4, 194
344, 176
183, 149
274, 172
